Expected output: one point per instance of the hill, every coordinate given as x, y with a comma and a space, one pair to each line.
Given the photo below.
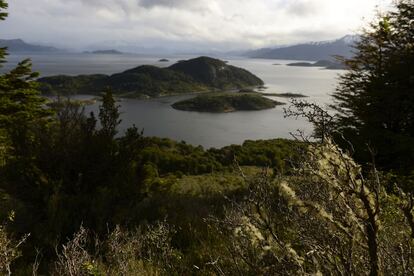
223, 103
308, 51
18, 45
216, 73
195, 75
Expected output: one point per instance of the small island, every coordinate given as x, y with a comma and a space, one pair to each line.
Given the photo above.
285, 95
104, 52
163, 60
327, 64
228, 102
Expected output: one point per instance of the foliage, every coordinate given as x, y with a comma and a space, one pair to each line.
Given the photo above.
9, 250
3, 15
109, 115
326, 219
145, 251
374, 100
99, 203
277, 154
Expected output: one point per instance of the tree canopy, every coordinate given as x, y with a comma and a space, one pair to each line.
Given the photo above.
375, 98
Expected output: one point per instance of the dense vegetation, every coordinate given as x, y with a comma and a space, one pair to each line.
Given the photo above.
228, 102
78, 198
195, 75
375, 99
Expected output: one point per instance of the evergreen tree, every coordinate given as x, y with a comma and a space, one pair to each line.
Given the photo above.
109, 115
20, 102
3, 15
375, 98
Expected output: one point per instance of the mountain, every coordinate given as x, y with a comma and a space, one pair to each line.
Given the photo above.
324, 50
146, 81
19, 46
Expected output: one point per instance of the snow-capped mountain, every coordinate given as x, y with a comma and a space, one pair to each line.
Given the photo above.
322, 50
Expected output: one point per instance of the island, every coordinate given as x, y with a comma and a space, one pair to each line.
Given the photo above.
104, 52
163, 60
327, 64
285, 95
200, 74
227, 102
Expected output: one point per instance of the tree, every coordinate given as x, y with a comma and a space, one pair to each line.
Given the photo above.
375, 98
20, 102
326, 219
109, 115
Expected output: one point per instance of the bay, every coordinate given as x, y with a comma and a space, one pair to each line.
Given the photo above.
158, 118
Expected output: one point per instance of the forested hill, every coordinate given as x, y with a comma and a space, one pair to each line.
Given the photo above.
216, 73
194, 75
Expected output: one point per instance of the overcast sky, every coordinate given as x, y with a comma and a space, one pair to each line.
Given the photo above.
185, 24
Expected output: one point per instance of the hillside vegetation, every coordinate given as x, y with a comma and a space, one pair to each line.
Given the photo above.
77, 198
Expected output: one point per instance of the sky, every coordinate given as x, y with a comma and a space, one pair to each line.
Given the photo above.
185, 25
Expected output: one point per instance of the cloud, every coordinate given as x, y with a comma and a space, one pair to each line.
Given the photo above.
184, 24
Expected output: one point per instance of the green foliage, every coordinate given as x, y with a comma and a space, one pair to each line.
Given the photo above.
70, 85
109, 115
277, 154
3, 15
226, 103
178, 158
92, 200
375, 100
327, 219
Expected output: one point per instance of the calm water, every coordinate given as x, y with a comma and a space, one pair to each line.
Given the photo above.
209, 130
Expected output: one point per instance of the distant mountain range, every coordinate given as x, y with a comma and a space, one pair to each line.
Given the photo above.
324, 50
19, 46
314, 51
